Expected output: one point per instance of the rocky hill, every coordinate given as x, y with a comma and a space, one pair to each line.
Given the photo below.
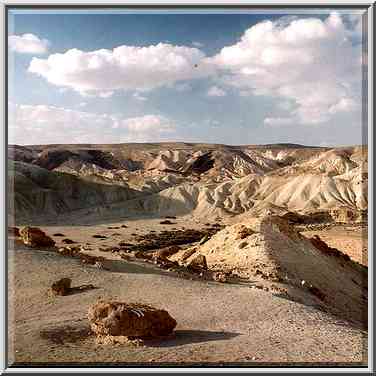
181, 178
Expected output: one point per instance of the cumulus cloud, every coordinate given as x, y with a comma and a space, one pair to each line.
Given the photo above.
124, 67
216, 91
310, 62
278, 121
41, 124
28, 44
148, 128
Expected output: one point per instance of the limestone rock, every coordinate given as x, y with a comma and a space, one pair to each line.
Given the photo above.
130, 320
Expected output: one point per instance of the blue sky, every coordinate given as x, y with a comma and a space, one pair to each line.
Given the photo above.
220, 78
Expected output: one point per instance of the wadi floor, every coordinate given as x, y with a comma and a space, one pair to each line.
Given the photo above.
230, 323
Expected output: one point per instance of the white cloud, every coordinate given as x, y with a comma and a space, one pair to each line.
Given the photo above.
124, 67
41, 124
278, 121
344, 105
148, 128
307, 61
28, 44
215, 91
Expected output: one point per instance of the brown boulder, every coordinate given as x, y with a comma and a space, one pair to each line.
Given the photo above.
130, 320
198, 263
61, 287
14, 231
35, 237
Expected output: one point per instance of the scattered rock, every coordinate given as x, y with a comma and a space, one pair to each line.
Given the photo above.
170, 217
152, 241
198, 263
69, 251
35, 237
61, 287
100, 236
110, 249
167, 222
166, 252
124, 244
124, 226
129, 320
68, 241
14, 231
58, 234
219, 277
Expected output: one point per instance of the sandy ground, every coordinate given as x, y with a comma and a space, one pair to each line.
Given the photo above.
349, 239
217, 323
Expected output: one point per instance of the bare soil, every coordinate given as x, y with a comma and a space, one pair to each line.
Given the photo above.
218, 323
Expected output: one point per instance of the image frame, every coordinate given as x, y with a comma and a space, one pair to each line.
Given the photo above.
366, 115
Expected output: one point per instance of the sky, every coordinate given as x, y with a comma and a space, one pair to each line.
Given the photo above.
230, 78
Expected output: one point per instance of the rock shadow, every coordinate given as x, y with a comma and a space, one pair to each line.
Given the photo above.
185, 337
66, 334
80, 289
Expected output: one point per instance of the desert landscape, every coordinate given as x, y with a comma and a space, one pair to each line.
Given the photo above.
185, 254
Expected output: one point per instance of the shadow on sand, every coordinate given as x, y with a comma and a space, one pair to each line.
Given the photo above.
185, 337
80, 289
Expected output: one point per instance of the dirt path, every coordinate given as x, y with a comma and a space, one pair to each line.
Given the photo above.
216, 322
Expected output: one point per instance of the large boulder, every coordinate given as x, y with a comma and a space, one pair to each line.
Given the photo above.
35, 237
130, 320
